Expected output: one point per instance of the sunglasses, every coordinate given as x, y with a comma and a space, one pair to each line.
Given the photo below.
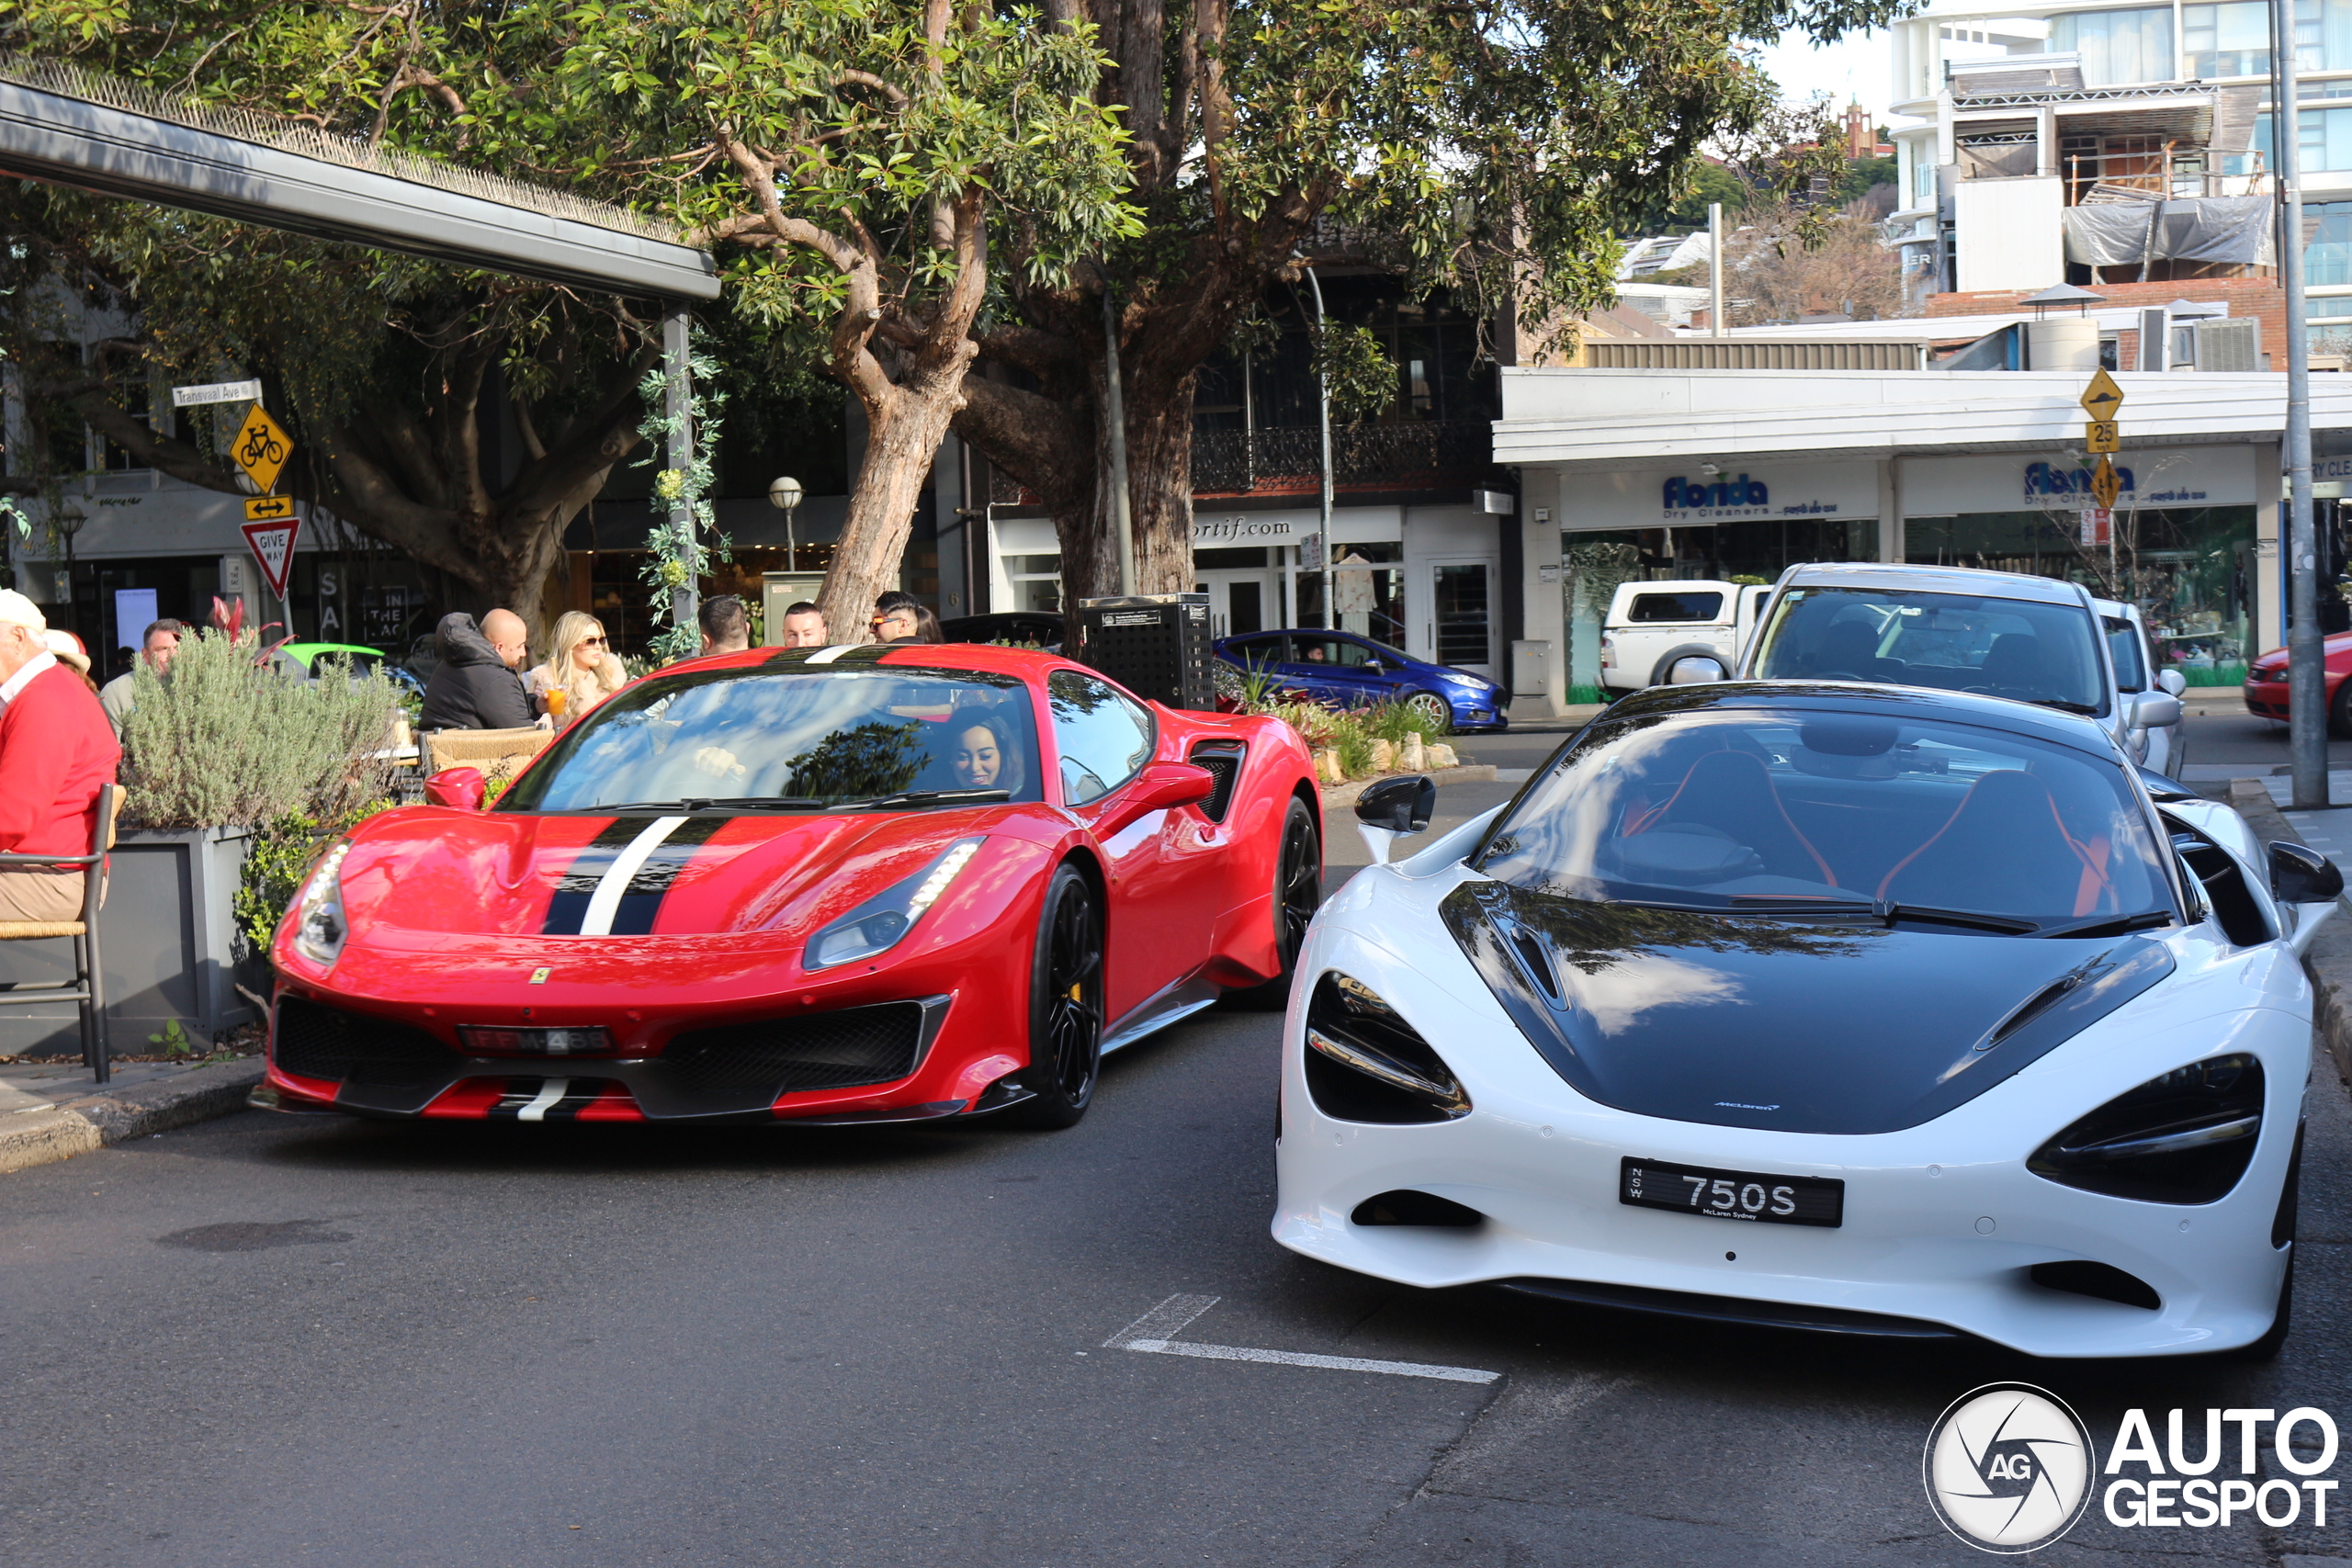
589, 642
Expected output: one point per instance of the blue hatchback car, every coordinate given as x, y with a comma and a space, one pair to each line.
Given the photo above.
1348, 671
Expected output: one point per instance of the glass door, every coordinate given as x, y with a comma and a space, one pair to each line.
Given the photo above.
1460, 627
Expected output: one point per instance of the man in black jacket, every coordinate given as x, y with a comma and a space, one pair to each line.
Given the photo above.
476, 686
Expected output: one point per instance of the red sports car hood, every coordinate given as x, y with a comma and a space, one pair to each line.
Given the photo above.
444, 872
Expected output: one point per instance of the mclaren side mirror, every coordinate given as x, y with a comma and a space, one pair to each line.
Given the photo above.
1398, 806
1392, 808
2301, 876
460, 787
1696, 669
2156, 710
2173, 683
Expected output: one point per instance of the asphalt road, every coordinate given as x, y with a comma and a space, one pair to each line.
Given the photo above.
265, 1340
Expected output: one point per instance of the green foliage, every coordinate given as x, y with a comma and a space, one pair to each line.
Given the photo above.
684, 527
173, 1040
223, 741
276, 861
1363, 379
1393, 722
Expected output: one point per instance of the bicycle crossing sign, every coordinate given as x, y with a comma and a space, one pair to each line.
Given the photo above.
261, 449
273, 546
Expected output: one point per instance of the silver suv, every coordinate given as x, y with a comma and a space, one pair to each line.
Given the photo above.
1999, 634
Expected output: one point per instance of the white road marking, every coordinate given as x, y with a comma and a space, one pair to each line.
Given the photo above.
550, 1093
1150, 1334
605, 902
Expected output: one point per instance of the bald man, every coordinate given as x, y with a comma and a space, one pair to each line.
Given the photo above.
476, 686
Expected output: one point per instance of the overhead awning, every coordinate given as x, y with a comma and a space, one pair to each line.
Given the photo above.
62, 127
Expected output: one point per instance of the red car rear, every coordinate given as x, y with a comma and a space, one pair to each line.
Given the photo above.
2266, 684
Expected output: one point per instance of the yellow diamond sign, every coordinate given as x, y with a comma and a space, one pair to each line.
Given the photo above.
2105, 483
2102, 396
261, 449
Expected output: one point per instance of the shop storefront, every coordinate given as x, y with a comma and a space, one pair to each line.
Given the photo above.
2182, 540
1425, 579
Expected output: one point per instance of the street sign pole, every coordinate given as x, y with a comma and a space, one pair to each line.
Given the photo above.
2306, 647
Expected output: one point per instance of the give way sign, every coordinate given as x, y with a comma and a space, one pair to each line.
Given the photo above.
273, 546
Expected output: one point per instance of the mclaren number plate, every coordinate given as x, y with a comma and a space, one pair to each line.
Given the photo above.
1732, 1194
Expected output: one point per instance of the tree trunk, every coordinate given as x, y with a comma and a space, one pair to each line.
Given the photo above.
903, 437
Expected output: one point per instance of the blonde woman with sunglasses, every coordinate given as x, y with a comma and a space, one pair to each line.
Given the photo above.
582, 672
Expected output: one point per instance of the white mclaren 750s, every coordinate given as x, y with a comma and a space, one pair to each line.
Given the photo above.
1820, 1005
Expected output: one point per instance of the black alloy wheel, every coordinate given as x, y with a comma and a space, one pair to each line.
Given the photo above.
1297, 894
1065, 1007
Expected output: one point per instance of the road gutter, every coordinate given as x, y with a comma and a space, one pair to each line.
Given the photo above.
77, 1126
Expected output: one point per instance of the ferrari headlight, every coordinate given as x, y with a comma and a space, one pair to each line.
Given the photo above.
880, 924
2185, 1137
318, 925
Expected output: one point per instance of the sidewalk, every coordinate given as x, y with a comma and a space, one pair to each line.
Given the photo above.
50, 1110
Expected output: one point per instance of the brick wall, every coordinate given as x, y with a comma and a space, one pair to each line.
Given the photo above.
2258, 297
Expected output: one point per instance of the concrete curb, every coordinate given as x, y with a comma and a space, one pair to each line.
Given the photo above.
1469, 772
2329, 962
39, 1137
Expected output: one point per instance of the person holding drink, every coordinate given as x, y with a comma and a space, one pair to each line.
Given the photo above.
581, 671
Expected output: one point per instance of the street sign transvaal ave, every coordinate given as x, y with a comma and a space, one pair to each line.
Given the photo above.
2102, 435
2105, 485
273, 547
261, 447
216, 392
262, 508
2102, 396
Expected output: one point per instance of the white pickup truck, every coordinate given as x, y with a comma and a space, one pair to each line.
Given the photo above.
1651, 625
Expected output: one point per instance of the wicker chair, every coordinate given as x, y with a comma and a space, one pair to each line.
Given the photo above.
88, 986
498, 753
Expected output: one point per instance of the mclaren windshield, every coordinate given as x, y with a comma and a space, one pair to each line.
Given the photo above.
794, 740
1807, 813
2021, 649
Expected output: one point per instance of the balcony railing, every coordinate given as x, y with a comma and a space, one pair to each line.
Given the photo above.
1287, 459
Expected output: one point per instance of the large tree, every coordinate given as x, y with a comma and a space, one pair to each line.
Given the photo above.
387, 370
864, 162
1496, 147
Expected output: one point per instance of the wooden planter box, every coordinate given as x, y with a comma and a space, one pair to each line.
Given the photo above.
168, 940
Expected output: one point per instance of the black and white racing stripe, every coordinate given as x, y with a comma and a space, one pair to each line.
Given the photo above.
545, 1100
617, 885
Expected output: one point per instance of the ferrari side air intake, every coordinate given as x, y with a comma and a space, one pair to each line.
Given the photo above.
2185, 1137
1364, 1063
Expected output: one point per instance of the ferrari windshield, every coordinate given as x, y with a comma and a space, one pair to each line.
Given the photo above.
2023, 648
794, 740
1804, 811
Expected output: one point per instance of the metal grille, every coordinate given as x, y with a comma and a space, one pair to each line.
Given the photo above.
785, 1055
318, 1042
1222, 758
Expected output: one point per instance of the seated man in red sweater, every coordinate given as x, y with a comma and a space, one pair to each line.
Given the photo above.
57, 750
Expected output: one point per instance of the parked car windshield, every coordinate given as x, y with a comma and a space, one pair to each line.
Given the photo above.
1772, 810
1954, 642
796, 739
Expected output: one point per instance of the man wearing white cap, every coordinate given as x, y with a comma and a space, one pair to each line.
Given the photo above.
57, 750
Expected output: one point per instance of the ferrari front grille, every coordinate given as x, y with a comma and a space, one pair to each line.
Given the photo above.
316, 1042
788, 1055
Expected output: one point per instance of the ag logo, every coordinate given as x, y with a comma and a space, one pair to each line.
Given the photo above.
2008, 1468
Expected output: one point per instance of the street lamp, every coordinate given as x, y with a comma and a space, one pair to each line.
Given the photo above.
68, 520
785, 495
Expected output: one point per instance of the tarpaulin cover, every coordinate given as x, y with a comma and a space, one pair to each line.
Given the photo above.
2206, 228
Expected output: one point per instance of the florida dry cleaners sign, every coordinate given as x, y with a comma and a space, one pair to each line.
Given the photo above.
1736, 495
2048, 484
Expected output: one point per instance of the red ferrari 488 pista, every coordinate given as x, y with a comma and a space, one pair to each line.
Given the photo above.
846, 885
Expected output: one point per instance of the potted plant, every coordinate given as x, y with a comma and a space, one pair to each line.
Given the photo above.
219, 747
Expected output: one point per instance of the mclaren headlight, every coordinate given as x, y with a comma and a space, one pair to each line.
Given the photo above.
318, 925
1364, 1063
880, 924
2185, 1137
